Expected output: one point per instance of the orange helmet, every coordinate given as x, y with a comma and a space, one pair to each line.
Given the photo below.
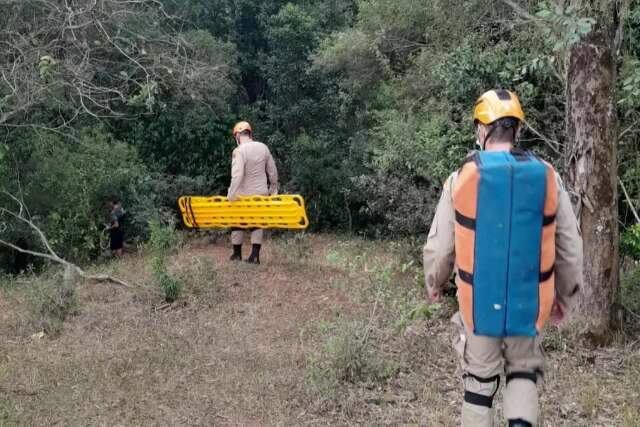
497, 104
242, 127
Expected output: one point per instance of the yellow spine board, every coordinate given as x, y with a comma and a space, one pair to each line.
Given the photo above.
285, 211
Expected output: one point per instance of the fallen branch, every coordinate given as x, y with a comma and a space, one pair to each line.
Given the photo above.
51, 254
18, 391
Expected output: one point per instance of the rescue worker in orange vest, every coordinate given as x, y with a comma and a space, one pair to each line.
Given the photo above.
468, 231
253, 172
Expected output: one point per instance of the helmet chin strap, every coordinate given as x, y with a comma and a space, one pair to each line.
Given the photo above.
483, 144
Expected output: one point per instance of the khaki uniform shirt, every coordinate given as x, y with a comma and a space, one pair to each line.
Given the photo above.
253, 171
439, 251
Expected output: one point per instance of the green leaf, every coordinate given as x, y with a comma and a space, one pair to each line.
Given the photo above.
544, 14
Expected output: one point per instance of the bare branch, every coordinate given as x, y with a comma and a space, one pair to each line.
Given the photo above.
50, 254
554, 145
520, 11
72, 45
628, 130
629, 201
40, 234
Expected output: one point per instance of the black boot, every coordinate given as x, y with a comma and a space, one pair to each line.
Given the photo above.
519, 423
237, 253
254, 258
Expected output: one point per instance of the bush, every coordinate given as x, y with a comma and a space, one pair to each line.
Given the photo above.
347, 357
51, 300
164, 239
630, 289
396, 205
163, 242
630, 242
170, 286
66, 185
413, 155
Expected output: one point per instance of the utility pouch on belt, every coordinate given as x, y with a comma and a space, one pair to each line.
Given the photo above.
505, 228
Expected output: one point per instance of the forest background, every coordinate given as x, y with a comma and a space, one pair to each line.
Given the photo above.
365, 104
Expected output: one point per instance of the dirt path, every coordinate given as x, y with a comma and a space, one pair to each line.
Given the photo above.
234, 350
232, 357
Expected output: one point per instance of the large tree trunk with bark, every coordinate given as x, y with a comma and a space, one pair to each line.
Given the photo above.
592, 167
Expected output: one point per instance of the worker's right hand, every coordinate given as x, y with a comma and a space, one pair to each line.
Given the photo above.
558, 312
435, 295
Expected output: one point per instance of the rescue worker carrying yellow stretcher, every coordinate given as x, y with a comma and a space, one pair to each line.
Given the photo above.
505, 223
253, 172
252, 203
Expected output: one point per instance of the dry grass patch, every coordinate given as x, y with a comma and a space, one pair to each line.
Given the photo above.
253, 345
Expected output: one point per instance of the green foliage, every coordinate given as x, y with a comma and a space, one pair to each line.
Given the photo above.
66, 185
46, 69
365, 104
51, 299
630, 242
325, 191
352, 53
630, 290
146, 96
348, 355
415, 310
185, 139
163, 242
629, 92
170, 286
5, 417
566, 26
423, 148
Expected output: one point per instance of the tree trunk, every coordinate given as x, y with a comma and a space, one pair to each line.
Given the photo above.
592, 168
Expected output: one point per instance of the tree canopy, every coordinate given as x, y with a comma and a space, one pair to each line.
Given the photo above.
365, 104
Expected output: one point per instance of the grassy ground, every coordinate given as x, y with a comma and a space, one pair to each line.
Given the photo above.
327, 331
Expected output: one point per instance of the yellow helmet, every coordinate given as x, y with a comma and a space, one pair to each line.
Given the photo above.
497, 104
242, 127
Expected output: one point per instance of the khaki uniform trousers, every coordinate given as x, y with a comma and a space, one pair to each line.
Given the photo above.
237, 236
482, 360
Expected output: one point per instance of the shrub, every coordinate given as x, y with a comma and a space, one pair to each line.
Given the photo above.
630, 290
51, 300
396, 205
170, 286
348, 356
630, 242
164, 239
66, 185
163, 242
